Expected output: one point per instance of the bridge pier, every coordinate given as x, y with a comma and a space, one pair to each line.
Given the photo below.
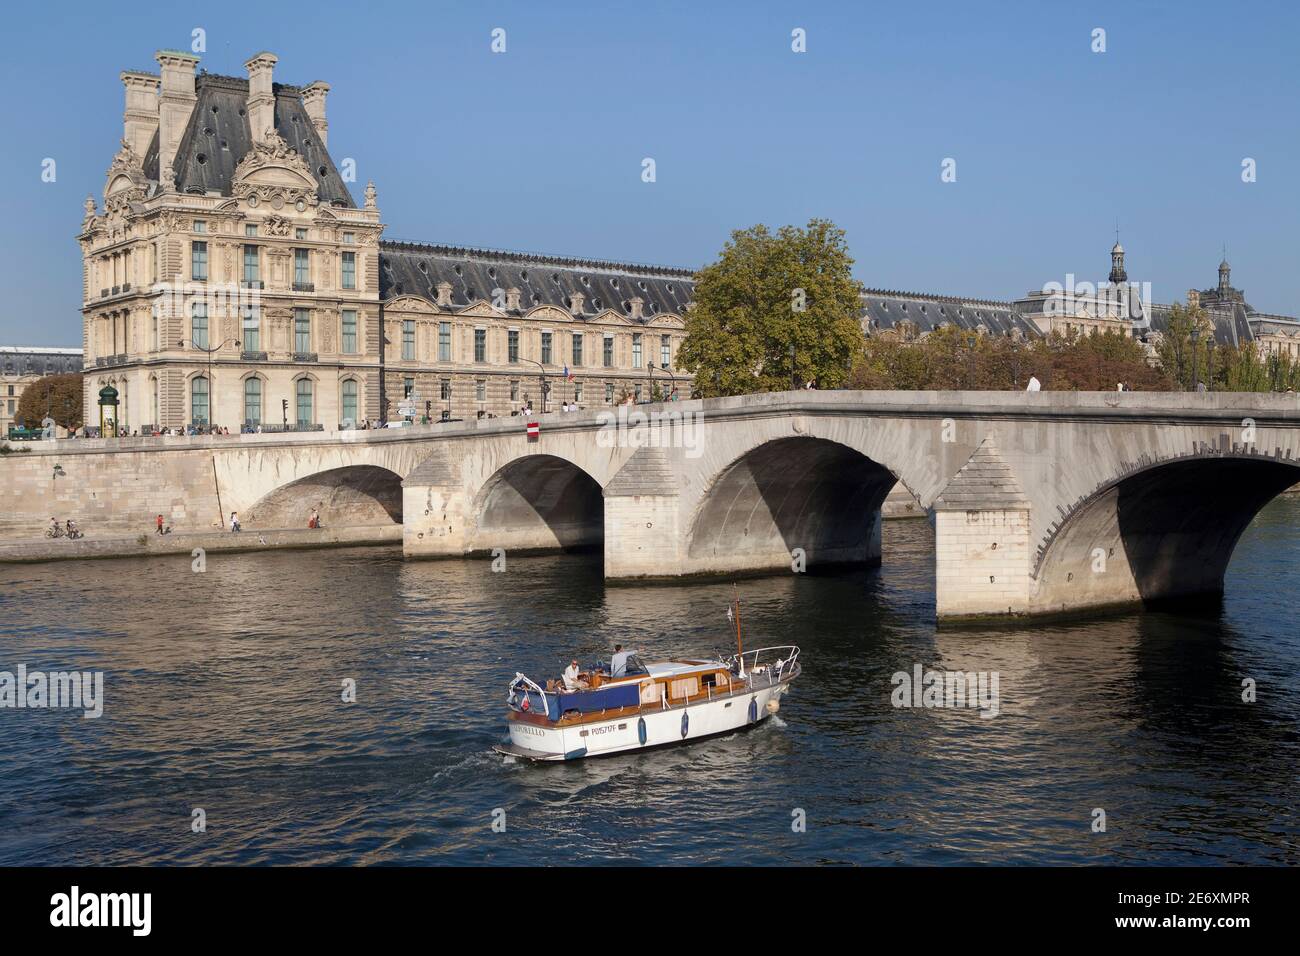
642, 532
436, 521
981, 532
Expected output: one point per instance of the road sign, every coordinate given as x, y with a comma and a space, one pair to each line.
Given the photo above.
534, 431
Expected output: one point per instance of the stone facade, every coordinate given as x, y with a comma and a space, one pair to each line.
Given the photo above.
20, 366
231, 279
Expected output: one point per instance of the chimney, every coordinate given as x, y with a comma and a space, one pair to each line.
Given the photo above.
175, 105
261, 98
576, 300
636, 302
313, 99
444, 293
512, 299
140, 119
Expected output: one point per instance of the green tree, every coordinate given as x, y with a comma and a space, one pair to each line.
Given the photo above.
766, 294
58, 396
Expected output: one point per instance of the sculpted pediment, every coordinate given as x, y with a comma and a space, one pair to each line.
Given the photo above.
611, 317
126, 181
272, 171
548, 313
410, 303
482, 309
668, 320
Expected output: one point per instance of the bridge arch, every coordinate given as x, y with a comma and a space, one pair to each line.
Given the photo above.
792, 492
348, 496
538, 502
1166, 529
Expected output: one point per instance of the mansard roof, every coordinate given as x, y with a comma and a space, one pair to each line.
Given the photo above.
38, 360
218, 136
884, 309
1231, 325
412, 268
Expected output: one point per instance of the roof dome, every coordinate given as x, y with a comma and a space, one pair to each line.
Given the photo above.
1117, 249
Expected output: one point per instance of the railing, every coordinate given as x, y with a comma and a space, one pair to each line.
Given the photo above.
304, 287
513, 700
252, 356
304, 356
772, 663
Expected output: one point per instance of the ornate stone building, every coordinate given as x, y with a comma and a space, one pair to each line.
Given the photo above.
230, 278
20, 366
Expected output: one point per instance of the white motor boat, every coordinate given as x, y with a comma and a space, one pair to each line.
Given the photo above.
647, 705
655, 704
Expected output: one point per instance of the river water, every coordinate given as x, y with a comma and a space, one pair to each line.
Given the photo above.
223, 693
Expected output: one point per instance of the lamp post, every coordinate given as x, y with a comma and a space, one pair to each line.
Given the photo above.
672, 381
650, 367
212, 392
545, 388
1196, 336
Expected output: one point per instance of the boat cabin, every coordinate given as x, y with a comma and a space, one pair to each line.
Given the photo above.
659, 685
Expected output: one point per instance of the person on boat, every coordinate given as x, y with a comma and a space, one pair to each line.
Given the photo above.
618, 663
571, 680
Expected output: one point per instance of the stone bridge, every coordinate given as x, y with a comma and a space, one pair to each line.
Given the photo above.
1042, 502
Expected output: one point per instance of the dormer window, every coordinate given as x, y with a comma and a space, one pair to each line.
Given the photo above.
349, 238
200, 225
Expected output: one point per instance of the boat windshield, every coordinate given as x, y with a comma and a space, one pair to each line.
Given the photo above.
634, 666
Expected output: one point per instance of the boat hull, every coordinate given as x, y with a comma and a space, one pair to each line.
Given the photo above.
652, 727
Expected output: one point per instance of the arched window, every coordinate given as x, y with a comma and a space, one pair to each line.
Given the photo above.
350, 400
304, 401
252, 400
199, 400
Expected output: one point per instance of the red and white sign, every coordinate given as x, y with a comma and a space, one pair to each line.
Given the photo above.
534, 431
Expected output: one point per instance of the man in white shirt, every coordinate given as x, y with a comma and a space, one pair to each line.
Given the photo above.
571, 680
618, 663
1034, 384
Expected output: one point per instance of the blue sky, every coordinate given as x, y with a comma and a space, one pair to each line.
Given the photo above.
540, 148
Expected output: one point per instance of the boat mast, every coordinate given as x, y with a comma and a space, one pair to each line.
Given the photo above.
740, 647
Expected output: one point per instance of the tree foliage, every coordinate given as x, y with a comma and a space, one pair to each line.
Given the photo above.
766, 293
1189, 353
59, 396
952, 358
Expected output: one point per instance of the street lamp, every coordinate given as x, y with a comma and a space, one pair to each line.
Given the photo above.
545, 388
1196, 335
650, 366
212, 392
672, 381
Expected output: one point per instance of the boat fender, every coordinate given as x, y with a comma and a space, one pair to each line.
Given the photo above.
640, 730
773, 705
686, 723
753, 709
524, 705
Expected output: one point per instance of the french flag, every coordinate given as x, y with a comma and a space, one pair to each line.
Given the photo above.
567, 374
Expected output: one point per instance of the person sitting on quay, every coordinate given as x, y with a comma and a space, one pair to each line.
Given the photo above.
314, 520
72, 530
